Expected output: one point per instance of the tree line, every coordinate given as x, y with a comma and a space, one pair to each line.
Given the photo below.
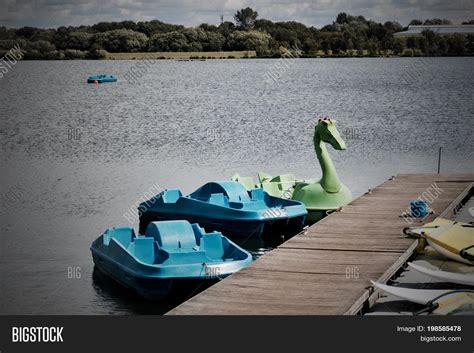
348, 35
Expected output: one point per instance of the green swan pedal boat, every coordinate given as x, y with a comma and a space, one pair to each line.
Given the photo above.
319, 196
169, 252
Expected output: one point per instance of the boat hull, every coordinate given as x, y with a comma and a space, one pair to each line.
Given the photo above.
315, 216
149, 288
231, 228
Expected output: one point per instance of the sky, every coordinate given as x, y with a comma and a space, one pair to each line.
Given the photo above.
55, 13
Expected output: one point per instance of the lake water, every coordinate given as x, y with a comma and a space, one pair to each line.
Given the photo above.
76, 157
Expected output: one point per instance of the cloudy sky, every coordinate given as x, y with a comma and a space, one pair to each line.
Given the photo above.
54, 13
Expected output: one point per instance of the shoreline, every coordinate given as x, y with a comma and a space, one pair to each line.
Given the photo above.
257, 58
190, 58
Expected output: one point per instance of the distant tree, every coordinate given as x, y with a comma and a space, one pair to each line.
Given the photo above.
328, 28
411, 42
264, 25
342, 18
392, 26
470, 44
470, 22
155, 26
372, 48
455, 44
285, 37
398, 45
170, 41
215, 42
207, 27
72, 54
245, 18
250, 40
437, 21
346, 34
226, 28
378, 33
415, 23
201, 40
26, 32
121, 40
73, 40
96, 54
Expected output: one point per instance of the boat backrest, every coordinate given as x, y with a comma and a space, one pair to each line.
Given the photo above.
219, 200
271, 188
171, 195
123, 235
172, 236
144, 249
213, 246
234, 191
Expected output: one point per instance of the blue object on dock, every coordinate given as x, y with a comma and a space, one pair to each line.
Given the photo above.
101, 78
418, 208
169, 252
226, 206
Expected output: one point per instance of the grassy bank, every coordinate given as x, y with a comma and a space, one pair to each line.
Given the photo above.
182, 55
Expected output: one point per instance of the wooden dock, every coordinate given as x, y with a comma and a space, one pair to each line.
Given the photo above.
326, 270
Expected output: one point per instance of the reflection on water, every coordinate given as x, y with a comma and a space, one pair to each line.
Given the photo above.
83, 155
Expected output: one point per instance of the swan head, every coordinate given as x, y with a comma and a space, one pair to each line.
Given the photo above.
327, 131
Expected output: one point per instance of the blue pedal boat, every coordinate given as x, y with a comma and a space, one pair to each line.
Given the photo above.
226, 206
101, 78
169, 252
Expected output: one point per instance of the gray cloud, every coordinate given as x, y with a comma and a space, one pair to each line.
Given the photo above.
53, 13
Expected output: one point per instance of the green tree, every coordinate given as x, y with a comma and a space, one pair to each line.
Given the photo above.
170, 41
398, 45
121, 40
250, 40
245, 18
372, 48
456, 44
470, 44
342, 18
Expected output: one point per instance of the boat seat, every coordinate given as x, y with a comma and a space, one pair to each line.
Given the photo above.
219, 200
213, 246
171, 195
257, 194
144, 249
234, 191
172, 236
271, 188
123, 235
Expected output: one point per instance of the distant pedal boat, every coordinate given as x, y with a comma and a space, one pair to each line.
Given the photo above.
226, 206
101, 78
170, 251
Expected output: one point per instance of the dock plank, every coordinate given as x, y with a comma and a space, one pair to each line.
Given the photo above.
326, 270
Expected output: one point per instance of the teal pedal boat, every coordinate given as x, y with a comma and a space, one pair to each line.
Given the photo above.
226, 206
168, 253
101, 78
